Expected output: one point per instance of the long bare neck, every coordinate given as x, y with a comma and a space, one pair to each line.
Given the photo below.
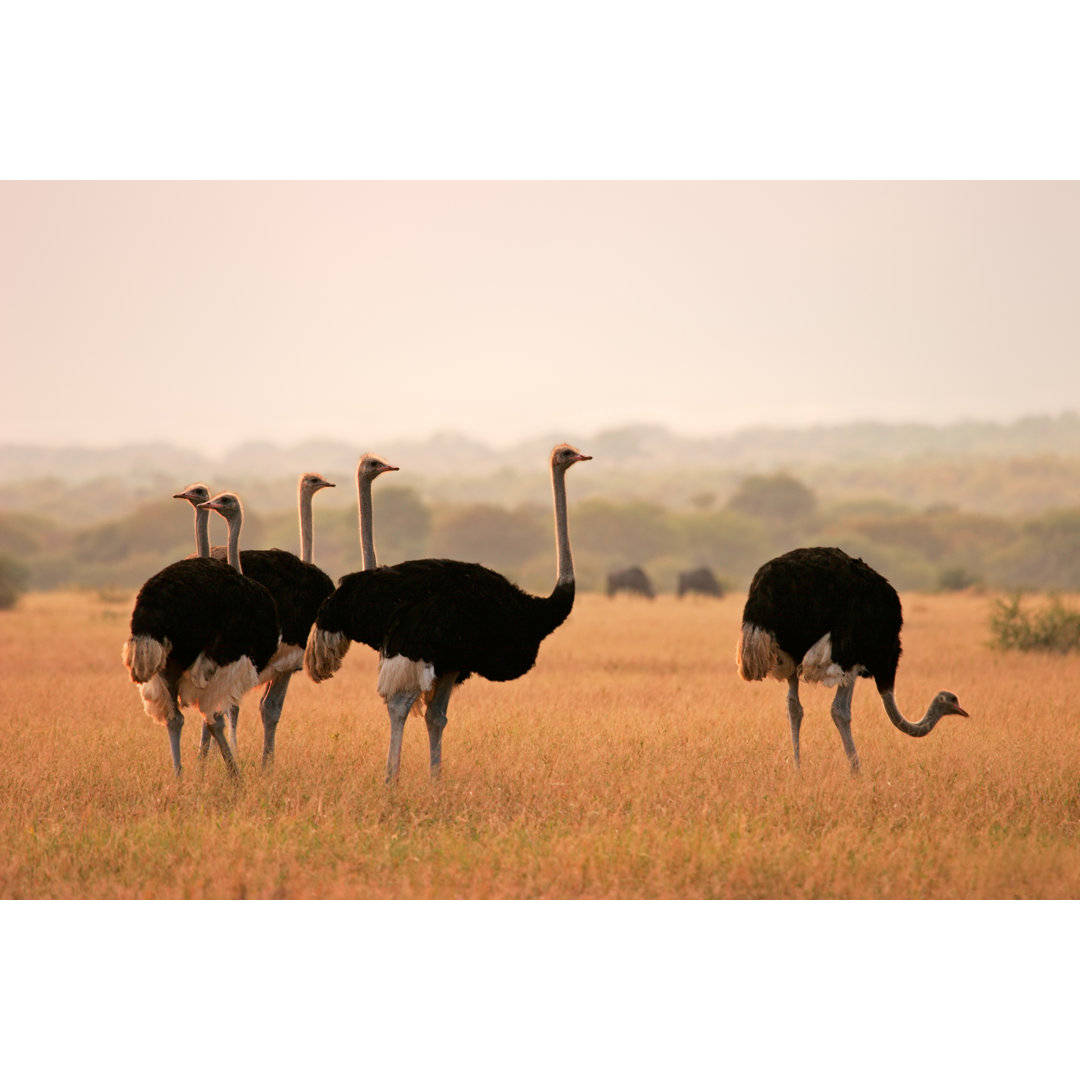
367, 533
233, 556
564, 556
307, 526
202, 532
923, 727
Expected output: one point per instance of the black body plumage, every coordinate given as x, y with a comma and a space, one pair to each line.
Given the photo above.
298, 589
457, 616
202, 605
809, 592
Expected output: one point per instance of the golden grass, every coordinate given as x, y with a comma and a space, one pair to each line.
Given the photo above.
632, 762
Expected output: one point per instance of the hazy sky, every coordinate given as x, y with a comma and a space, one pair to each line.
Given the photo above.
207, 314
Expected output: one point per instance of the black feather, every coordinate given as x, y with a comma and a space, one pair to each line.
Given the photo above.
298, 589
203, 605
809, 592
456, 616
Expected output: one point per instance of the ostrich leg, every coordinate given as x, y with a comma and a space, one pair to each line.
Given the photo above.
216, 727
436, 719
398, 707
175, 725
234, 716
841, 714
795, 712
270, 708
207, 736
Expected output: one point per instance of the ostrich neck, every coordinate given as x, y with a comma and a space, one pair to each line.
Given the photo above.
307, 528
564, 556
233, 557
923, 727
202, 532
367, 535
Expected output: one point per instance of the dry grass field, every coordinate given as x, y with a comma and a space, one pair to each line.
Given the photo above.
632, 762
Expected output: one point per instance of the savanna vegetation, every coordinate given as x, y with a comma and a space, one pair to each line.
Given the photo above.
632, 762
939, 547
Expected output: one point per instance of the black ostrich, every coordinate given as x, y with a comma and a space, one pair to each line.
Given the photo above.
201, 634
437, 621
631, 580
819, 614
298, 587
701, 580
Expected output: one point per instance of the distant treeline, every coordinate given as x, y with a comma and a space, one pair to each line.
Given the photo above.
940, 547
1023, 468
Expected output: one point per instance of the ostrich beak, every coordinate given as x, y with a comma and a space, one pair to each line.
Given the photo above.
213, 504
389, 468
583, 457
958, 711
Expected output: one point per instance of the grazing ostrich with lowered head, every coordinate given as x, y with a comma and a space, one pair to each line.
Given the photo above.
632, 580
701, 580
819, 614
436, 621
298, 587
201, 634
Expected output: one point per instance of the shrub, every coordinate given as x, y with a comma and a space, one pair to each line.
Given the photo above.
953, 578
12, 581
1053, 629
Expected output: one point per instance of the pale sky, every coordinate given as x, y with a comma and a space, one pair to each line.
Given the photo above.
207, 314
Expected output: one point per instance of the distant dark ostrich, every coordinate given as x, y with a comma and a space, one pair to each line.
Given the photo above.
819, 614
437, 621
201, 634
702, 580
298, 587
631, 580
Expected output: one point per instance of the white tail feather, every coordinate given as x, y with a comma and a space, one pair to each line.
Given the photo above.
287, 658
758, 655
157, 701
144, 657
324, 653
194, 680
399, 674
226, 687
818, 665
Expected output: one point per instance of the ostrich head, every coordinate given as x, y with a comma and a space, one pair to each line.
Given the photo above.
946, 704
564, 455
311, 482
371, 466
227, 504
195, 494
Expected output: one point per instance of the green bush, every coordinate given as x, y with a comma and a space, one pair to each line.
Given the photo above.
12, 581
1053, 629
953, 578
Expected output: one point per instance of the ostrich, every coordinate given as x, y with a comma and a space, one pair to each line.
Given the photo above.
436, 621
367, 470
197, 494
631, 580
298, 587
201, 634
702, 580
822, 615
